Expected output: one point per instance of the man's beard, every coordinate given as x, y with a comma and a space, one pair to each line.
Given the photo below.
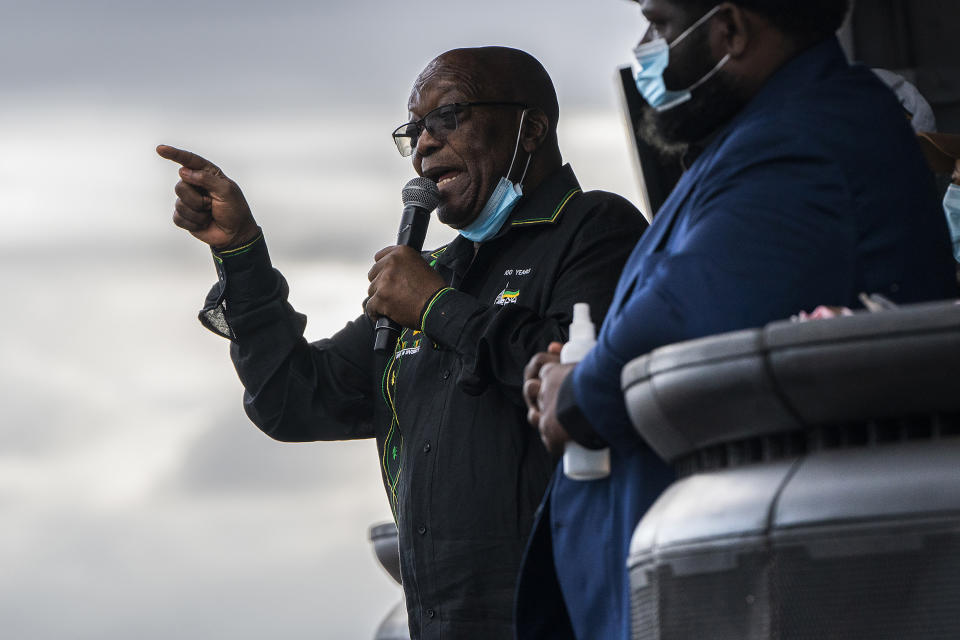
672, 132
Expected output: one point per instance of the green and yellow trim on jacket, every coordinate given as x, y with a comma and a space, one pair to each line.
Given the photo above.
392, 459
551, 218
429, 306
436, 255
230, 253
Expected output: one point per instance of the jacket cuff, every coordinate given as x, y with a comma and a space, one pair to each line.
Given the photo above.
229, 252
576, 424
430, 303
446, 314
246, 274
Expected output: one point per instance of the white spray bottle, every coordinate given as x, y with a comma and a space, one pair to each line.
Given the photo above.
580, 463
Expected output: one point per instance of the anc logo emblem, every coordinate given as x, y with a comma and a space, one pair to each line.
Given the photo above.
507, 296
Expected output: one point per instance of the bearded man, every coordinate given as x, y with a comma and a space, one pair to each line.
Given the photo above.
804, 186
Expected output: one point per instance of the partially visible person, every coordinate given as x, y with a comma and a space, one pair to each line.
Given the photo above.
804, 186
943, 154
462, 470
918, 110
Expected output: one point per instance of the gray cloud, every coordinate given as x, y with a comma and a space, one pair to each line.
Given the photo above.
233, 456
214, 52
176, 570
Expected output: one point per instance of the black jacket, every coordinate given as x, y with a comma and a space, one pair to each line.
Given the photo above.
463, 469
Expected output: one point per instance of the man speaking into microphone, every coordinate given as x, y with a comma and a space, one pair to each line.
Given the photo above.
463, 471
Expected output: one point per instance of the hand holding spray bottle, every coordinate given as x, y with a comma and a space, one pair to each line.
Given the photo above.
580, 463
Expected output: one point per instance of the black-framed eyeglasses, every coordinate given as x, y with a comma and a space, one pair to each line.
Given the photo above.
439, 122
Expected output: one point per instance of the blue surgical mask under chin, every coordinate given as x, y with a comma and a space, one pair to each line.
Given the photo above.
951, 206
500, 203
652, 59
494, 213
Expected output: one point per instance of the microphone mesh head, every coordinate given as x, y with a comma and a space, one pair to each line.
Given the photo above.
422, 192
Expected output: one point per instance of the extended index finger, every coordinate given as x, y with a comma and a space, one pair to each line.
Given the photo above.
186, 158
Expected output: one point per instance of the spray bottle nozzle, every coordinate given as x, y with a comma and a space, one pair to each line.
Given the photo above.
582, 326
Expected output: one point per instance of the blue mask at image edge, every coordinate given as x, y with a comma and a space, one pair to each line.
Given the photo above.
951, 207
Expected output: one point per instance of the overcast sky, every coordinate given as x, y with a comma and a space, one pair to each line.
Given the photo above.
180, 53
136, 500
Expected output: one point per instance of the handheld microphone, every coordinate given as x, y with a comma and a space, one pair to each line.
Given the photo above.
420, 196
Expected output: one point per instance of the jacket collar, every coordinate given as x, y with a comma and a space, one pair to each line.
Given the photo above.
547, 202
796, 77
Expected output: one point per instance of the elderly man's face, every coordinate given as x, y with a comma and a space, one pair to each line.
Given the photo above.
468, 162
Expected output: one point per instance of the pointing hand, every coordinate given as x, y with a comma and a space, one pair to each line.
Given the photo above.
209, 204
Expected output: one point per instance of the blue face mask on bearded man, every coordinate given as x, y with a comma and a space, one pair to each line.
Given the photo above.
653, 58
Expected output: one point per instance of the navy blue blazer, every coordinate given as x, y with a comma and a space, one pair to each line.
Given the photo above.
816, 191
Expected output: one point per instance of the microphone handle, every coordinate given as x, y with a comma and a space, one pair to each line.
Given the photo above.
413, 229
